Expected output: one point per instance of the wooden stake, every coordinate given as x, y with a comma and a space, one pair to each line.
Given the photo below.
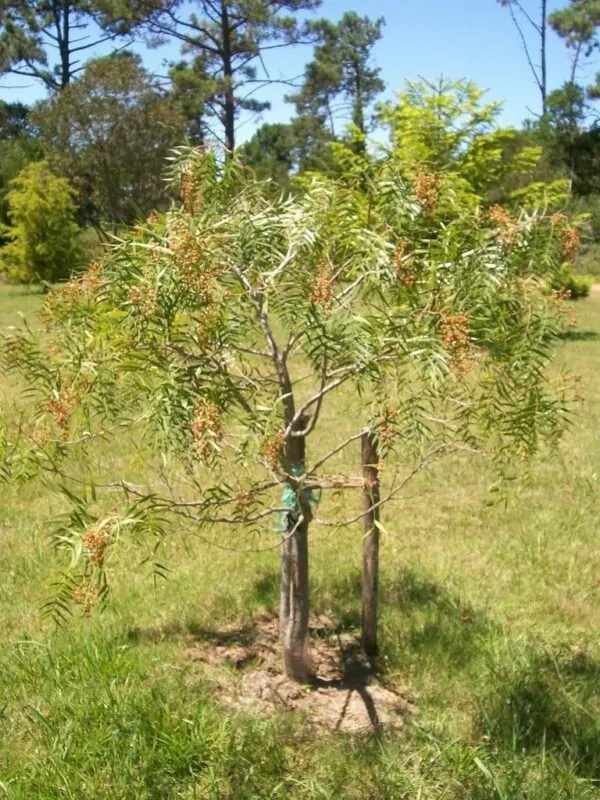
370, 583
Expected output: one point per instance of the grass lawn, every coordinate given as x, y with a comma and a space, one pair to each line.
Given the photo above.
490, 616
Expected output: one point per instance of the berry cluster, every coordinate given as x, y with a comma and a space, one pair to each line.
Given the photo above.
61, 405
560, 294
502, 219
86, 597
569, 242
75, 289
387, 425
191, 190
206, 427
190, 258
96, 543
207, 321
456, 339
568, 237
499, 216
272, 450
143, 298
427, 190
321, 291
405, 263
243, 503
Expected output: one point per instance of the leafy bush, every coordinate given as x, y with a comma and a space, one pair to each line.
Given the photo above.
43, 235
565, 280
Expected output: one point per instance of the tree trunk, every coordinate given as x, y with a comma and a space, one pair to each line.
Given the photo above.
293, 613
358, 111
295, 661
286, 578
64, 45
370, 585
543, 56
228, 99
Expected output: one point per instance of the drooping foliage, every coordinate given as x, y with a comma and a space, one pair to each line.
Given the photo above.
215, 336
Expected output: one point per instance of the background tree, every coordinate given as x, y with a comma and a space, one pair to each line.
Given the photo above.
577, 25
533, 18
230, 37
19, 145
191, 88
341, 80
43, 233
109, 133
280, 151
49, 39
270, 152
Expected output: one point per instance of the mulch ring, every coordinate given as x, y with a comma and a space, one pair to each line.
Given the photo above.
344, 696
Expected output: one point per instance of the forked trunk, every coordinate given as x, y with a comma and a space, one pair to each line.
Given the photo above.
370, 583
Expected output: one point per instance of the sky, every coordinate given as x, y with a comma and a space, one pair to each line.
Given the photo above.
456, 38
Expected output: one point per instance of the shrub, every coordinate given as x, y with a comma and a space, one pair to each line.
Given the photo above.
43, 235
564, 280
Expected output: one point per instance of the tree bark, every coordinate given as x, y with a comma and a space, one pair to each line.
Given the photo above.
284, 589
294, 607
543, 56
295, 661
228, 91
64, 46
370, 584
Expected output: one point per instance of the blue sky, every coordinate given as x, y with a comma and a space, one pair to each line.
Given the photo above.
456, 38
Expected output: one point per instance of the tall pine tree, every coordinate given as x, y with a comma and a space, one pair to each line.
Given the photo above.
226, 40
48, 40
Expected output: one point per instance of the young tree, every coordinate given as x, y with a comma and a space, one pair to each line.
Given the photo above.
110, 133
219, 334
534, 20
341, 79
230, 37
446, 127
33, 33
43, 243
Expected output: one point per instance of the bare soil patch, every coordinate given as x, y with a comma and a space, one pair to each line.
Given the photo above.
345, 695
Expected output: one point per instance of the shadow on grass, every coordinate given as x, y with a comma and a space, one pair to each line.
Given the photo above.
579, 336
420, 618
421, 621
242, 636
548, 705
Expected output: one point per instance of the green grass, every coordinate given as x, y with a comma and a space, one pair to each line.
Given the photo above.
490, 614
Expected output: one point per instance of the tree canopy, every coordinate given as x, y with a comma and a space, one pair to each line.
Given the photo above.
110, 133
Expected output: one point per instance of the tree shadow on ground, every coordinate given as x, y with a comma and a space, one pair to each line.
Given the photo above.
420, 618
422, 623
579, 336
548, 704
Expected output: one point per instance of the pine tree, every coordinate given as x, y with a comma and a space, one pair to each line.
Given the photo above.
48, 39
230, 37
341, 80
